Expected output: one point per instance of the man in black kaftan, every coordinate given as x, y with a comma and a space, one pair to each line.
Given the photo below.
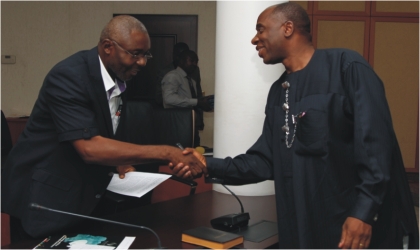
344, 160
327, 142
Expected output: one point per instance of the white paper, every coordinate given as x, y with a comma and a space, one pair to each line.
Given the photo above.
126, 243
136, 183
86, 246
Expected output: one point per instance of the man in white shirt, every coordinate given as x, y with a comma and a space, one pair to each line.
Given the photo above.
179, 90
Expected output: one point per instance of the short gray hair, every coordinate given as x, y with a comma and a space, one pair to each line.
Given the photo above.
121, 26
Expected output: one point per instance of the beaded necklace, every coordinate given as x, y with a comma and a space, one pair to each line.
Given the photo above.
286, 128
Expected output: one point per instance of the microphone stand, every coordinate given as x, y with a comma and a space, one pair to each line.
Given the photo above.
229, 222
234, 195
39, 207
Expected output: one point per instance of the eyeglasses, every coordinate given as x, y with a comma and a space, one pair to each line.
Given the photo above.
147, 55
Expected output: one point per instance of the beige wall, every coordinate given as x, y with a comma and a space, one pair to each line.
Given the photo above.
40, 34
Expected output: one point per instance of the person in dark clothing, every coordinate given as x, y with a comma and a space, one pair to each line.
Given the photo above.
328, 144
69, 149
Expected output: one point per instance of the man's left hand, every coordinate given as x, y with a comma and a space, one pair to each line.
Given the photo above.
356, 234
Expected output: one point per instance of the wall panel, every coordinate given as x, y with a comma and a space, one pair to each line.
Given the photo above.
396, 61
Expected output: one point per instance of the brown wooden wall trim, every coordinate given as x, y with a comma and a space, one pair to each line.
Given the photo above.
310, 9
317, 11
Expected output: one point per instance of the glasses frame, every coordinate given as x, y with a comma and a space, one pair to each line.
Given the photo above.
147, 55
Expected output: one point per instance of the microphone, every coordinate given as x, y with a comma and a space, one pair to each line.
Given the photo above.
229, 222
35, 206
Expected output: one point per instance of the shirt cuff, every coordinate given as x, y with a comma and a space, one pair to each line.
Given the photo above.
194, 102
365, 209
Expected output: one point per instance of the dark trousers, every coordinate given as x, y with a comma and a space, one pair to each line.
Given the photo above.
196, 138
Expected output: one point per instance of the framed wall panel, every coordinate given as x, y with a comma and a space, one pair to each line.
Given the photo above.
395, 58
395, 8
342, 32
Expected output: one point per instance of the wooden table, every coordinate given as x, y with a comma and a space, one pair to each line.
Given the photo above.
170, 218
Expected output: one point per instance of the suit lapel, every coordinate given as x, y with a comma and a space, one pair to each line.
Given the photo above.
100, 101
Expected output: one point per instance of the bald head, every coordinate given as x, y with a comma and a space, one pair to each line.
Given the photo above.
296, 14
120, 27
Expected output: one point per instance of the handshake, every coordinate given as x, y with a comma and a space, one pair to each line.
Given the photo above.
194, 166
184, 163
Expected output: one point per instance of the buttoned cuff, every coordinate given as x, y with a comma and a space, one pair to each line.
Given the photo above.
365, 209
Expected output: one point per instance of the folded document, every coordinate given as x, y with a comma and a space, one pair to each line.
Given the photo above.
136, 183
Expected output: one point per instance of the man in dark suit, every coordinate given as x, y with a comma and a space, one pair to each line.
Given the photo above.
65, 157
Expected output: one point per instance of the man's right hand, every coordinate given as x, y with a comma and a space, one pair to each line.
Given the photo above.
184, 171
193, 167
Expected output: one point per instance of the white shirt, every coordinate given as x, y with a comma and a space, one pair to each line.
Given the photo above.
114, 101
176, 90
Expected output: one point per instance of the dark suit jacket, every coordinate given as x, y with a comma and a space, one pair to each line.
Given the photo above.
44, 167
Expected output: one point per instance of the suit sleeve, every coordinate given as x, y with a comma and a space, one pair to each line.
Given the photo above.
373, 133
70, 106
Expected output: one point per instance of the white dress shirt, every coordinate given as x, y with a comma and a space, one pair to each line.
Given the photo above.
176, 90
114, 100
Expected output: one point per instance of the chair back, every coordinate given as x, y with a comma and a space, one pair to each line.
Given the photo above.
175, 125
147, 124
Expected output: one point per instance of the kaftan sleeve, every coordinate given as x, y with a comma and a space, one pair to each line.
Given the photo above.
373, 139
254, 166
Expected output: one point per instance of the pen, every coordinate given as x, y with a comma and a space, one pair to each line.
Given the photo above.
41, 244
180, 146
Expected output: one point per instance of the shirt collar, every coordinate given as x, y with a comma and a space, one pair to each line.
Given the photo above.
108, 82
